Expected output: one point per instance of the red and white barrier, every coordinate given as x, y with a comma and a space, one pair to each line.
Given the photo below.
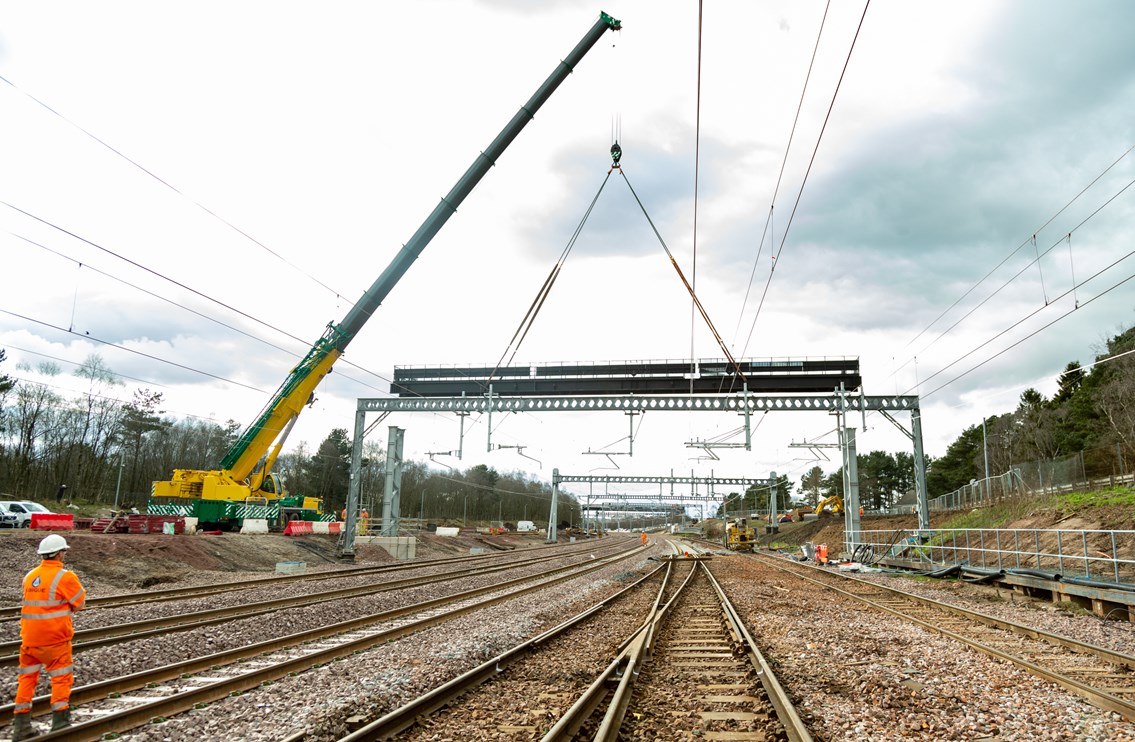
53, 521
298, 528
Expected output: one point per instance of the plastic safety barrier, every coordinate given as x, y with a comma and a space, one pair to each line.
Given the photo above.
53, 521
298, 528
254, 525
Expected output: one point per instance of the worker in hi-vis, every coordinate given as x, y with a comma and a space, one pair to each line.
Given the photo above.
51, 595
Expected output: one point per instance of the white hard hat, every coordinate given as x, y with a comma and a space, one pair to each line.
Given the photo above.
52, 544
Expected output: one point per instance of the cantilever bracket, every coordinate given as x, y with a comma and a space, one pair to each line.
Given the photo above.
520, 451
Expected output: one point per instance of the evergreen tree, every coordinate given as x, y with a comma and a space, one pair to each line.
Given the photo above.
811, 485
328, 471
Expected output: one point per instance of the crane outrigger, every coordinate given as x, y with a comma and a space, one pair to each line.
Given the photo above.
244, 485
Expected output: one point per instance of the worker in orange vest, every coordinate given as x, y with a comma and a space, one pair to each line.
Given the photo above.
363, 517
51, 595
644, 538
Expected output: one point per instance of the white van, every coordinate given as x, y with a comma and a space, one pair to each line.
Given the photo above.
525, 526
18, 513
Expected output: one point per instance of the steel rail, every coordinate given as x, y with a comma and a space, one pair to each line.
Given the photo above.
637, 655
785, 710
625, 668
11, 612
120, 722
592, 699
161, 709
407, 715
1098, 697
119, 633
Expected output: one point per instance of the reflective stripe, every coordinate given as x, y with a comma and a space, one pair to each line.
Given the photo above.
60, 705
22, 708
55, 584
80, 596
43, 603
30, 669
61, 671
42, 616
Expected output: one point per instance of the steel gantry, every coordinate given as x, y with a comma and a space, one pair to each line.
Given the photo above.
661, 500
840, 403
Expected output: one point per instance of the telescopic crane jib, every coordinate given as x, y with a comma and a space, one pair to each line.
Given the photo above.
244, 485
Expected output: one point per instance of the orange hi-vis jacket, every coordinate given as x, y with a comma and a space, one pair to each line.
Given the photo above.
51, 595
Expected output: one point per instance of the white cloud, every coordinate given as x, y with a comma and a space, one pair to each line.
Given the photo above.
329, 134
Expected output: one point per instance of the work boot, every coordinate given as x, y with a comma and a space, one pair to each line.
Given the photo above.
60, 719
22, 727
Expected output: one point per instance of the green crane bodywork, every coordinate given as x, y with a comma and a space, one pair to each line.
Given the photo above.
244, 486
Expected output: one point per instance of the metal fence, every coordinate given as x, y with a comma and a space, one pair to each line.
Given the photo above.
1093, 469
1093, 554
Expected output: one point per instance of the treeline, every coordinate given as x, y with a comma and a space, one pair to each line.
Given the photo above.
478, 495
883, 479
1092, 413
104, 448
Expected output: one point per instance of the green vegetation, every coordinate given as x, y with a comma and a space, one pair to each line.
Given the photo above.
1078, 501
998, 514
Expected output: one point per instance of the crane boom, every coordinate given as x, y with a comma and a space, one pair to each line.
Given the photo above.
245, 470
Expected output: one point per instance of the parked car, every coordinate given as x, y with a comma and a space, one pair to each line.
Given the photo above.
18, 513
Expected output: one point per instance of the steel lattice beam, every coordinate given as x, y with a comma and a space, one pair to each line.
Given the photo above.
615, 479
642, 403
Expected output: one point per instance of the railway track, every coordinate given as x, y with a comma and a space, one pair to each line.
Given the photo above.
12, 612
87, 639
1104, 677
702, 656
121, 704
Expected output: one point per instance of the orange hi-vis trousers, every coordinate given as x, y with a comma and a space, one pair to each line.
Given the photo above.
56, 662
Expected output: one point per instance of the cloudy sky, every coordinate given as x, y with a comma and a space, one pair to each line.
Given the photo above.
193, 191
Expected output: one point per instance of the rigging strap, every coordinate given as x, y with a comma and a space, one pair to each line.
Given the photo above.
689, 288
542, 294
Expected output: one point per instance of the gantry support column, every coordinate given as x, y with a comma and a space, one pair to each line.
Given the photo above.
851, 492
552, 514
351, 522
392, 491
923, 502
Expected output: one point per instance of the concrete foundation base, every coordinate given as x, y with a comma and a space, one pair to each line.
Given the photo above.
399, 547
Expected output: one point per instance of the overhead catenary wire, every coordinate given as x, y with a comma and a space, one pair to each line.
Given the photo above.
1031, 334
804, 180
1047, 302
1032, 239
189, 289
767, 230
176, 190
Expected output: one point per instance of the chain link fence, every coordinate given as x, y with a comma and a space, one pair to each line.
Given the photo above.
1093, 469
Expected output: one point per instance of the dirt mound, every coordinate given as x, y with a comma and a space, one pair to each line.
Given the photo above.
122, 562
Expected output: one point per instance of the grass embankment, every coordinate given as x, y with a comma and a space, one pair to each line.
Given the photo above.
1005, 512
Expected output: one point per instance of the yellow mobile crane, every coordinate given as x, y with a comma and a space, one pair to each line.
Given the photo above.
243, 486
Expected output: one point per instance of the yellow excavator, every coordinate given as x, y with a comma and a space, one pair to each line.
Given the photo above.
834, 504
244, 486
